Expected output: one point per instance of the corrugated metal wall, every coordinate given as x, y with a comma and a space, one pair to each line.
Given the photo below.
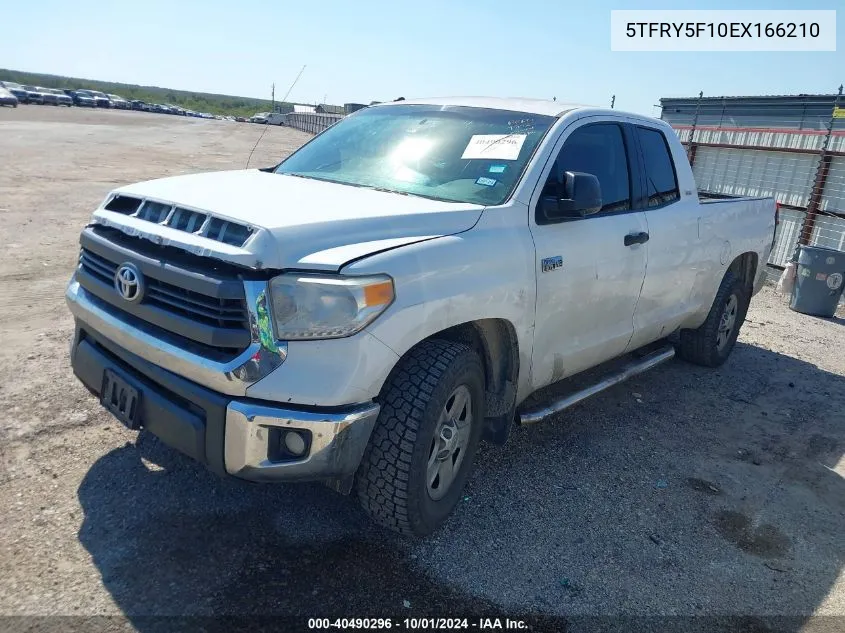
787, 177
311, 122
761, 137
790, 148
833, 197
829, 232
786, 236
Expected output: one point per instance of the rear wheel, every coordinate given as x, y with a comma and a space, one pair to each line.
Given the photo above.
711, 343
421, 450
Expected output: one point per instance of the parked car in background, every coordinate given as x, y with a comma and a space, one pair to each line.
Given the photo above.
137, 104
33, 95
259, 117
276, 118
60, 96
49, 97
7, 98
17, 90
81, 98
101, 99
240, 119
118, 102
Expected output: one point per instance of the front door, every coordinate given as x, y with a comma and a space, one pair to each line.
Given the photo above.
586, 299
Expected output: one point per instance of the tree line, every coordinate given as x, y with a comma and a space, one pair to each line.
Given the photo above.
198, 101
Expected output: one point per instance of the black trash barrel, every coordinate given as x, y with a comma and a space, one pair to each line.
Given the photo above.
819, 281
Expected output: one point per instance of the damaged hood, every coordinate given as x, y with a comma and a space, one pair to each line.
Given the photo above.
294, 222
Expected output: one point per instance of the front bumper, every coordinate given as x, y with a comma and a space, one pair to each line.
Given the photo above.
230, 434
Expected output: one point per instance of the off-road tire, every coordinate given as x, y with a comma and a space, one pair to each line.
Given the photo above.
700, 346
391, 480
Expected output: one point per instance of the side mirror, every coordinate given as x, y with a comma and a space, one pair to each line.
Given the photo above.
580, 196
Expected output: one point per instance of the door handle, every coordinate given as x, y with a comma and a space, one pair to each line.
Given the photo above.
636, 238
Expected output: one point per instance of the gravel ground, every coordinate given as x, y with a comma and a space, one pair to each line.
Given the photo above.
687, 493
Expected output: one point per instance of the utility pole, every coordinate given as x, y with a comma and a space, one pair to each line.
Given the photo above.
273, 97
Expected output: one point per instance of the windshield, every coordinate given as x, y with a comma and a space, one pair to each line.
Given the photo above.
30, 88
451, 153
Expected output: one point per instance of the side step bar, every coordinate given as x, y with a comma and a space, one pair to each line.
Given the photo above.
631, 369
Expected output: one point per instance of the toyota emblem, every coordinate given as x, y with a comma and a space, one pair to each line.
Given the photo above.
129, 282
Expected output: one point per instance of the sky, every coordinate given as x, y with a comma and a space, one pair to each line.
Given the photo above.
365, 50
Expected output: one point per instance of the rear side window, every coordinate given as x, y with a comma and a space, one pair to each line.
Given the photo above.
662, 183
599, 149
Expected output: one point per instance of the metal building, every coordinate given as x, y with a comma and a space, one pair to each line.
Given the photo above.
789, 147
349, 108
326, 108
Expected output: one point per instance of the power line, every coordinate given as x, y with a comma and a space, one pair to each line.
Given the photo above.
267, 125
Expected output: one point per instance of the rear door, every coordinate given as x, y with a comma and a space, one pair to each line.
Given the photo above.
676, 257
588, 279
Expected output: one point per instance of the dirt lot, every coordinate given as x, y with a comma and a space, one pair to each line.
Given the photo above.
687, 492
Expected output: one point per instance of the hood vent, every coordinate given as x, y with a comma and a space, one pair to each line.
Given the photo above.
153, 212
227, 232
123, 204
188, 221
181, 219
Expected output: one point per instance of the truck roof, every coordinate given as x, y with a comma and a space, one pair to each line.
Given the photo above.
516, 104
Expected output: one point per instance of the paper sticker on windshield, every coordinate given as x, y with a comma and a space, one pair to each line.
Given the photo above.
497, 169
487, 182
494, 146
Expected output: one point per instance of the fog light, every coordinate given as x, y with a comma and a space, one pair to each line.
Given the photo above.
295, 443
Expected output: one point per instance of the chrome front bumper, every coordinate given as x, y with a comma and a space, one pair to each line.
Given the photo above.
337, 438
232, 378
337, 442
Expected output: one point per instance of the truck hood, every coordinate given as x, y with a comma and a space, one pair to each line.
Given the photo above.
296, 222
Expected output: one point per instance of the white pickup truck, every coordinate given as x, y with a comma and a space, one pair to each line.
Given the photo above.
368, 310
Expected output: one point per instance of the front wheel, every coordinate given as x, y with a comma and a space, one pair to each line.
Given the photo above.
420, 453
712, 342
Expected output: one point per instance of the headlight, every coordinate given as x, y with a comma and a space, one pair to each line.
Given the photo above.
324, 306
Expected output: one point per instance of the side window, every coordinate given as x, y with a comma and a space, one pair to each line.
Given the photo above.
597, 149
662, 183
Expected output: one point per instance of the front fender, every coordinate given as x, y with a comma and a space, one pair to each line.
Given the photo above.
484, 273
